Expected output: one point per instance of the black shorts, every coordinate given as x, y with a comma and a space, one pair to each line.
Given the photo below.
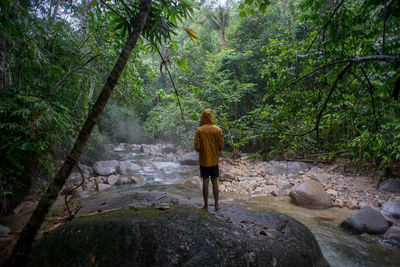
212, 171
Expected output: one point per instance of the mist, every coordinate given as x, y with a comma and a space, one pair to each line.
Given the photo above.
120, 125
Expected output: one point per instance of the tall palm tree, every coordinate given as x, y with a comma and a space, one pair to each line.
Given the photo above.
218, 19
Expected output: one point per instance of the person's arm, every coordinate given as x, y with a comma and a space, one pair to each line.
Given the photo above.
197, 141
220, 140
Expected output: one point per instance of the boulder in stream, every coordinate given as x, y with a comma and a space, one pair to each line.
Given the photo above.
191, 158
366, 220
179, 236
311, 194
391, 211
127, 167
106, 167
390, 185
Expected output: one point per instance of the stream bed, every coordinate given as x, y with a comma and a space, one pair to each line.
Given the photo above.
339, 247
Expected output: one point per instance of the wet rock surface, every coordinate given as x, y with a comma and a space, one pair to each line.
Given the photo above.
191, 158
180, 236
390, 185
391, 211
310, 194
106, 167
367, 220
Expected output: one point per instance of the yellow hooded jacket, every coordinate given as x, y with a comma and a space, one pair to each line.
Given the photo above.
208, 140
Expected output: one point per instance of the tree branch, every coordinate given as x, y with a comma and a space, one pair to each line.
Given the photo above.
340, 76
371, 93
326, 25
115, 12
380, 58
172, 81
60, 82
130, 10
319, 116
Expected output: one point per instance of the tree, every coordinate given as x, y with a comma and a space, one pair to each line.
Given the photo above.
218, 19
23, 246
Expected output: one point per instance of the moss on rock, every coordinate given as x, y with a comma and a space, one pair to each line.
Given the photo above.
150, 237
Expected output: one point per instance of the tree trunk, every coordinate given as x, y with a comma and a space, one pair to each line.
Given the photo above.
224, 41
54, 15
24, 243
3, 65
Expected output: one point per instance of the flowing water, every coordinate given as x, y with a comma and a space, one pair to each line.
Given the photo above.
339, 247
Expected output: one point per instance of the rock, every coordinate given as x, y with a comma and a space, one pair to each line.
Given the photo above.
270, 188
169, 148
339, 203
4, 230
277, 168
227, 176
332, 192
366, 220
100, 179
103, 187
310, 194
81, 195
284, 185
279, 192
178, 237
316, 170
191, 158
112, 179
352, 204
124, 180
363, 204
322, 178
390, 185
137, 181
393, 235
391, 211
75, 178
127, 167
106, 167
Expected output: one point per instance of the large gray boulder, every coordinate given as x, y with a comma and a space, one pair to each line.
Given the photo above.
391, 211
366, 220
191, 158
179, 236
282, 167
390, 185
106, 167
311, 194
127, 167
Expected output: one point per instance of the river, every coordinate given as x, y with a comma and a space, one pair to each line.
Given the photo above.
339, 247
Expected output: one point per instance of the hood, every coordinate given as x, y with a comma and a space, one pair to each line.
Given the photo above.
206, 117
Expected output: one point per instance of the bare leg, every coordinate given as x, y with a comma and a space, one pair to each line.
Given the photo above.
205, 193
215, 192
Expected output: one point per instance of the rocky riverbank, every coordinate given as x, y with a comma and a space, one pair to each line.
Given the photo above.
248, 179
